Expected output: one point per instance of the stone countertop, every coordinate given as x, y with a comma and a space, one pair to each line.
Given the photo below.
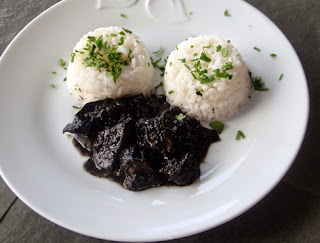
290, 213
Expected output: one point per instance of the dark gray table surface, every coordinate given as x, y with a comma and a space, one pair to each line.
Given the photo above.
290, 213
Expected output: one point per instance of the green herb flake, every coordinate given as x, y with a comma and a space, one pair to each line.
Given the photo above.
122, 15
240, 135
52, 86
77, 107
114, 35
204, 57
65, 79
187, 66
122, 33
195, 54
171, 92
226, 13
177, 48
68, 135
228, 41
157, 52
281, 76
218, 48
225, 51
273, 55
54, 72
258, 84
218, 126
181, 116
159, 85
65, 68
182, 60
138, 41
121, 41
191, 46
128, 31
213, 110
62, 63
73, 54
257, 49
190, 13
170, 64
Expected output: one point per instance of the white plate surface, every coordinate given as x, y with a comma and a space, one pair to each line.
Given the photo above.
41, 166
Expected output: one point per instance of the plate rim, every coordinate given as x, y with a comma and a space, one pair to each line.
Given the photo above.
190, 231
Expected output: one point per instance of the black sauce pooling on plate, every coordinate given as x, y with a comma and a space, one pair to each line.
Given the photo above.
140, 143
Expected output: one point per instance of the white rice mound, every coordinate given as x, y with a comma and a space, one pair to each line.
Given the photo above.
88, 84
223, 95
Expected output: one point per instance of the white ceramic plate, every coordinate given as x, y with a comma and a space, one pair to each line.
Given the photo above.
41, 166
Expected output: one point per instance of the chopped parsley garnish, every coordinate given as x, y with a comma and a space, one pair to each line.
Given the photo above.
138, 41
54, 72
65, 79
77, 107
202, 74
114, 35
273, 55
257, 83
155, 64
62, 63
257, 49
204, 57
104, 56
228, 41
190, 13
68, 135
225, 51
182, 60
281, 76
170, 92
65, 68
122, 15
128, 31
157, 52
209, 46
52, 86
121, 41
195, 54
191, 46
218, 126
122, 33
159, 85
181, 116
218, 48
227, 66
240, 135
170, 63
73, 54
177, 48
187, 66
213, 110
226, 13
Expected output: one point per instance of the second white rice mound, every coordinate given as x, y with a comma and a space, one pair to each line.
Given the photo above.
218, 99
89, 84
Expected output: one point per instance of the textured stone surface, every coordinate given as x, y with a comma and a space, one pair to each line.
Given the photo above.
6, 198
288, 214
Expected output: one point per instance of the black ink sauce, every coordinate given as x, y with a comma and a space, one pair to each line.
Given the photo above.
139, 142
